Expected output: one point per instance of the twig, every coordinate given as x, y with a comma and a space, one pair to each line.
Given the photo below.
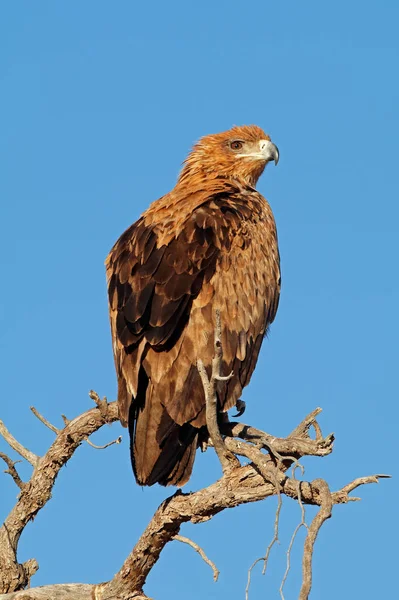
314, 528
303, 428
99, 403
317, 430
32, 458
297, 465
66, 420
44, 420
342, 497
197, 548
117, 441
274, 540
227, 459
249, 575
12, 470
296, 530
102, 404
94, 396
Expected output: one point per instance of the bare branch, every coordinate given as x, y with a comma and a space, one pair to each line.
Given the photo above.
102, 404
117, 441
68, 591
265, 476
302, 429
262, 478
341, 496
289, 549
274, 540
32, 458
313, 530
227, 459
238, 486
44, 420
294, 445
317, 430
12, 470
197, 548
104, 413
65, 591
36, 493
66, 420
269, 474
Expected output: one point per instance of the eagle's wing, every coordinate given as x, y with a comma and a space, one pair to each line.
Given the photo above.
151, 287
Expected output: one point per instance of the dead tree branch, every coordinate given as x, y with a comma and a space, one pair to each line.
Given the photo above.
266, 475
227, 459
197, 548
289, 549
33, 459
274, 540
249, 483
104, 446
44, 420
36, 493
12, 470
326, 504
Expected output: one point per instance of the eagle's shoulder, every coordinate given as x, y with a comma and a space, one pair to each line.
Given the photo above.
159, 264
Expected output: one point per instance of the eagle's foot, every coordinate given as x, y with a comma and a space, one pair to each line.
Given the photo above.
240, 406
203, 444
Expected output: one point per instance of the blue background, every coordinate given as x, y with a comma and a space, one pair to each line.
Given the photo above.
100, 103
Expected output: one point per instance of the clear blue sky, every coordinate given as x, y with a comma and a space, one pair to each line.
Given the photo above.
100, 103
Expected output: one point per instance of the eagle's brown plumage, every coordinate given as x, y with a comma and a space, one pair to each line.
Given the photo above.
209, 244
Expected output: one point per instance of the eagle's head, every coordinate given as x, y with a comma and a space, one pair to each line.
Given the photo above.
239, 153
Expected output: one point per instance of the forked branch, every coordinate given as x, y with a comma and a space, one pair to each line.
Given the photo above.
266, 475
326, 504
36, 493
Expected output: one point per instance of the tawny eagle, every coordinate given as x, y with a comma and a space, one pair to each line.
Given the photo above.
209, 244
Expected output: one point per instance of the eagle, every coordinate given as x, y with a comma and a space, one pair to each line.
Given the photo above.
209, 245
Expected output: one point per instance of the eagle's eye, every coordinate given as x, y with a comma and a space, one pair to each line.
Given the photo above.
236, 145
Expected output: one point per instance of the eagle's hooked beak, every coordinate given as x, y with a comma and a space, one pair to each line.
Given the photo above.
269, 151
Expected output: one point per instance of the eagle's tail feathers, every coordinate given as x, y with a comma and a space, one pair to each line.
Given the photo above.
161, 450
